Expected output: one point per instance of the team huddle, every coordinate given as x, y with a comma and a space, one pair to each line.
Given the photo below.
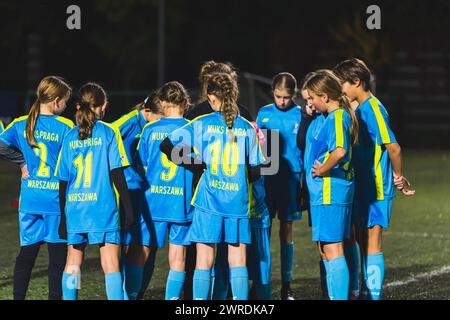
202, 177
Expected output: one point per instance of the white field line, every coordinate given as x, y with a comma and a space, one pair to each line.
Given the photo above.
419, 277
418, 234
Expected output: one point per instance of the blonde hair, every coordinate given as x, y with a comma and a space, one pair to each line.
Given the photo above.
49, 89
326, 82
174, 93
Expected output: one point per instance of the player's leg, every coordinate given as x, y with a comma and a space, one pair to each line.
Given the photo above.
373, 272
71, 279
221, 277
110, 261
259, 263
32, 233
178, 241
137, 258
57, 254
202, 274
337, 270
286, 258
238, 270
351, 251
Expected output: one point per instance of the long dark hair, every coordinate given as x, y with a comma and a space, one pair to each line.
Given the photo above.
91, 95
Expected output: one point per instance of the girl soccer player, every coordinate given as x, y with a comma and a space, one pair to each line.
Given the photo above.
130, 127
258, 252
228, 145
166, 183
378, 170
87, 197
39, 137
283, 189
329, 175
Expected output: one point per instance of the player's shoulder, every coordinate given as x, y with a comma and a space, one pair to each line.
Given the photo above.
123, 120
266, 108
18, 121
107, 128
66, 122
151, 125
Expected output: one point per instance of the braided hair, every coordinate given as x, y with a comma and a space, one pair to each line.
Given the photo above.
225, 88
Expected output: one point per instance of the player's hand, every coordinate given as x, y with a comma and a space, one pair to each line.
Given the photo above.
317, 169
403, 185
309, 110
62, 229
25, 173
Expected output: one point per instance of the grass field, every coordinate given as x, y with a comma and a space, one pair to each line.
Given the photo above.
416, 247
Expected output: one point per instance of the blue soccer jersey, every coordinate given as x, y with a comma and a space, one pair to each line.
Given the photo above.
91, 202
39, 193
223, 188
312, 133
373, 169
287, 123
337, 186
130, 127
168, 190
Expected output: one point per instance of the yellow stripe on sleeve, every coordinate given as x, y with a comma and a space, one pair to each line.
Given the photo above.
326, 184
380, 121
119, 122
378, 172
122, 152
66, 121
338, 127
2, 127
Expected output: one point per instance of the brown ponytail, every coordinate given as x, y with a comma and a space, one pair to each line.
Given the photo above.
225, 89
49, 89
91, 96
326, 82
175, 94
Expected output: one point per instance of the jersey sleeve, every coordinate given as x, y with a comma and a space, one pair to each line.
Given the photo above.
62, 170
142, 149
338, 131
378, 124
2, 127
256, 156
9, 136
117, 156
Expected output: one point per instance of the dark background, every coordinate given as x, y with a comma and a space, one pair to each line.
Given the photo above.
117, 47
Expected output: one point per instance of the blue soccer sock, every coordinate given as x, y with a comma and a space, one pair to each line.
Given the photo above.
113, 284
339, 278
286, 255
323, 278
201, 284
351, 252
133, 280
326, 265
174, 285
123, 271
375, 275
149, 267
263, 291
239, 283
70, 285
221, 274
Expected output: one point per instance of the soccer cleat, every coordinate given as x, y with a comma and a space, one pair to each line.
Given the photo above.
286, 292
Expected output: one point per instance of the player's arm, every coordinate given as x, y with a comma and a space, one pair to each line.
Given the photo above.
183, 156
120, 183
301, 134
395, 155
335, 157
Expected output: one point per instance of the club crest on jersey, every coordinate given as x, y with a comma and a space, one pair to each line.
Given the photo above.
264, 120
